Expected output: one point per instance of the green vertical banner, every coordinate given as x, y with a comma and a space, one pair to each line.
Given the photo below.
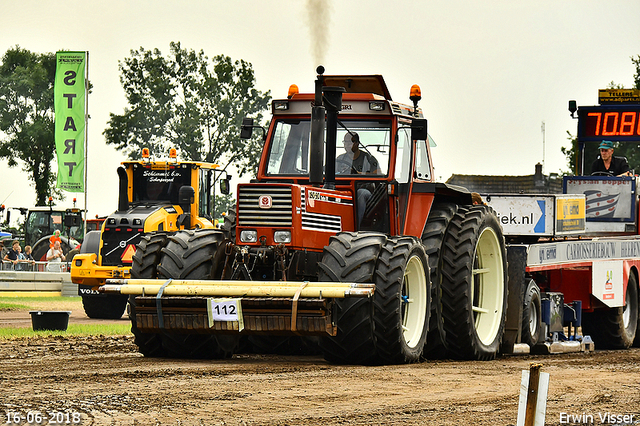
70, 100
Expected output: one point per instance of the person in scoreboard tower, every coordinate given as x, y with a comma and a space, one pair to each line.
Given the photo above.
608, 164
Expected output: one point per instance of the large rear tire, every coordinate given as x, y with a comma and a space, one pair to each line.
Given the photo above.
351, 257
432, 238
474, 290
401, 301
615, 328
145, 265
195, 254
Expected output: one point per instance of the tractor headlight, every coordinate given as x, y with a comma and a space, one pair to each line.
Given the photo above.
282, 237
248, 236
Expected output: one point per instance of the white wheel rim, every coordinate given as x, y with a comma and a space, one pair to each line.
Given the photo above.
533, 319
626, 312
414, 301
487, 287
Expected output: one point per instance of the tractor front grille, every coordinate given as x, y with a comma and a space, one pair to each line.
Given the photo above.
264, 206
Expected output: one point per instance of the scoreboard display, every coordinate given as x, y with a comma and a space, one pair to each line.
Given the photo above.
609, 122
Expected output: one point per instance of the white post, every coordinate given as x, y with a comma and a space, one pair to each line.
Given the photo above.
532, 405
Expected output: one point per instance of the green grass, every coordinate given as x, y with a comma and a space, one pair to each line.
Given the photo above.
5, 306
51, 304
72, 330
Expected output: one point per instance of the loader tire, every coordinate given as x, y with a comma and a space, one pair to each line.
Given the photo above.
614, 328
105, 307
145, 265
432, 238
351, 257
401, 301
147, 256
474, 290
531, 327
228, 227
195, 254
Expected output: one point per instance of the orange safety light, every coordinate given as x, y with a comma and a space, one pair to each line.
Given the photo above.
173, 153
293, 90
145, 152
416, 93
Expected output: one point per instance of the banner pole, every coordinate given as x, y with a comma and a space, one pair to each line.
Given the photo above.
86, 134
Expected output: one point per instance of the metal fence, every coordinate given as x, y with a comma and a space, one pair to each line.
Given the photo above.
8, 265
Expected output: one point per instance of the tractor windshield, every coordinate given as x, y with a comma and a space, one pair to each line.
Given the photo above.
289, 149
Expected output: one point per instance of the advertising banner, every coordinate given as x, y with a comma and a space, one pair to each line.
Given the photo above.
69, 104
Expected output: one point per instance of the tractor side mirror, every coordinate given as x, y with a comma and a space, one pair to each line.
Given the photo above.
419, 129
225, 186
246, 130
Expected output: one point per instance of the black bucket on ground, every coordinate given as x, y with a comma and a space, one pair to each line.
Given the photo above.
50, 320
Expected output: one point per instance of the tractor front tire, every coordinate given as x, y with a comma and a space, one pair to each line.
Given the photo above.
474, 284
351, 257
197, 255
145, 266
401, 301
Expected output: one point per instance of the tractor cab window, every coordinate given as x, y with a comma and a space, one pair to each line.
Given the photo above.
289, 148
363, 148
423, 167
43, 223
403, 155
289, 152
161, 185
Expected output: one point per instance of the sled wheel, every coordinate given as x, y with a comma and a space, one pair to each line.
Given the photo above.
615, 328
531, 315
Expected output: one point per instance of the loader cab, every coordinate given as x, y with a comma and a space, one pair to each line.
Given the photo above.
158, 183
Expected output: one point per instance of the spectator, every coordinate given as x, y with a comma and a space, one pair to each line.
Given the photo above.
55, 253
14, 255
29, 257
27, 253
55, 237
476, 199
55, 258
3, 250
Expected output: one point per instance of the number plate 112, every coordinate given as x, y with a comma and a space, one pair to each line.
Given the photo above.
225, 310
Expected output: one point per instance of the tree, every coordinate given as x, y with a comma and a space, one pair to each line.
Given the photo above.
27, 117
187, 102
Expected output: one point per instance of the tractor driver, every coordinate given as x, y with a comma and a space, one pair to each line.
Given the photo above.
356, 161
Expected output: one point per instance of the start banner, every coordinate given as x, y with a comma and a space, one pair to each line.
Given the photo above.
70, 100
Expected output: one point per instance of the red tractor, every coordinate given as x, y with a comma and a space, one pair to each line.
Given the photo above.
357, 245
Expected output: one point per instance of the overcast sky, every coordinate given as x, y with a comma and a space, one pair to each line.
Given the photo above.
490, 71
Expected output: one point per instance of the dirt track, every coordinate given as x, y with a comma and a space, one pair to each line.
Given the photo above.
107, 382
